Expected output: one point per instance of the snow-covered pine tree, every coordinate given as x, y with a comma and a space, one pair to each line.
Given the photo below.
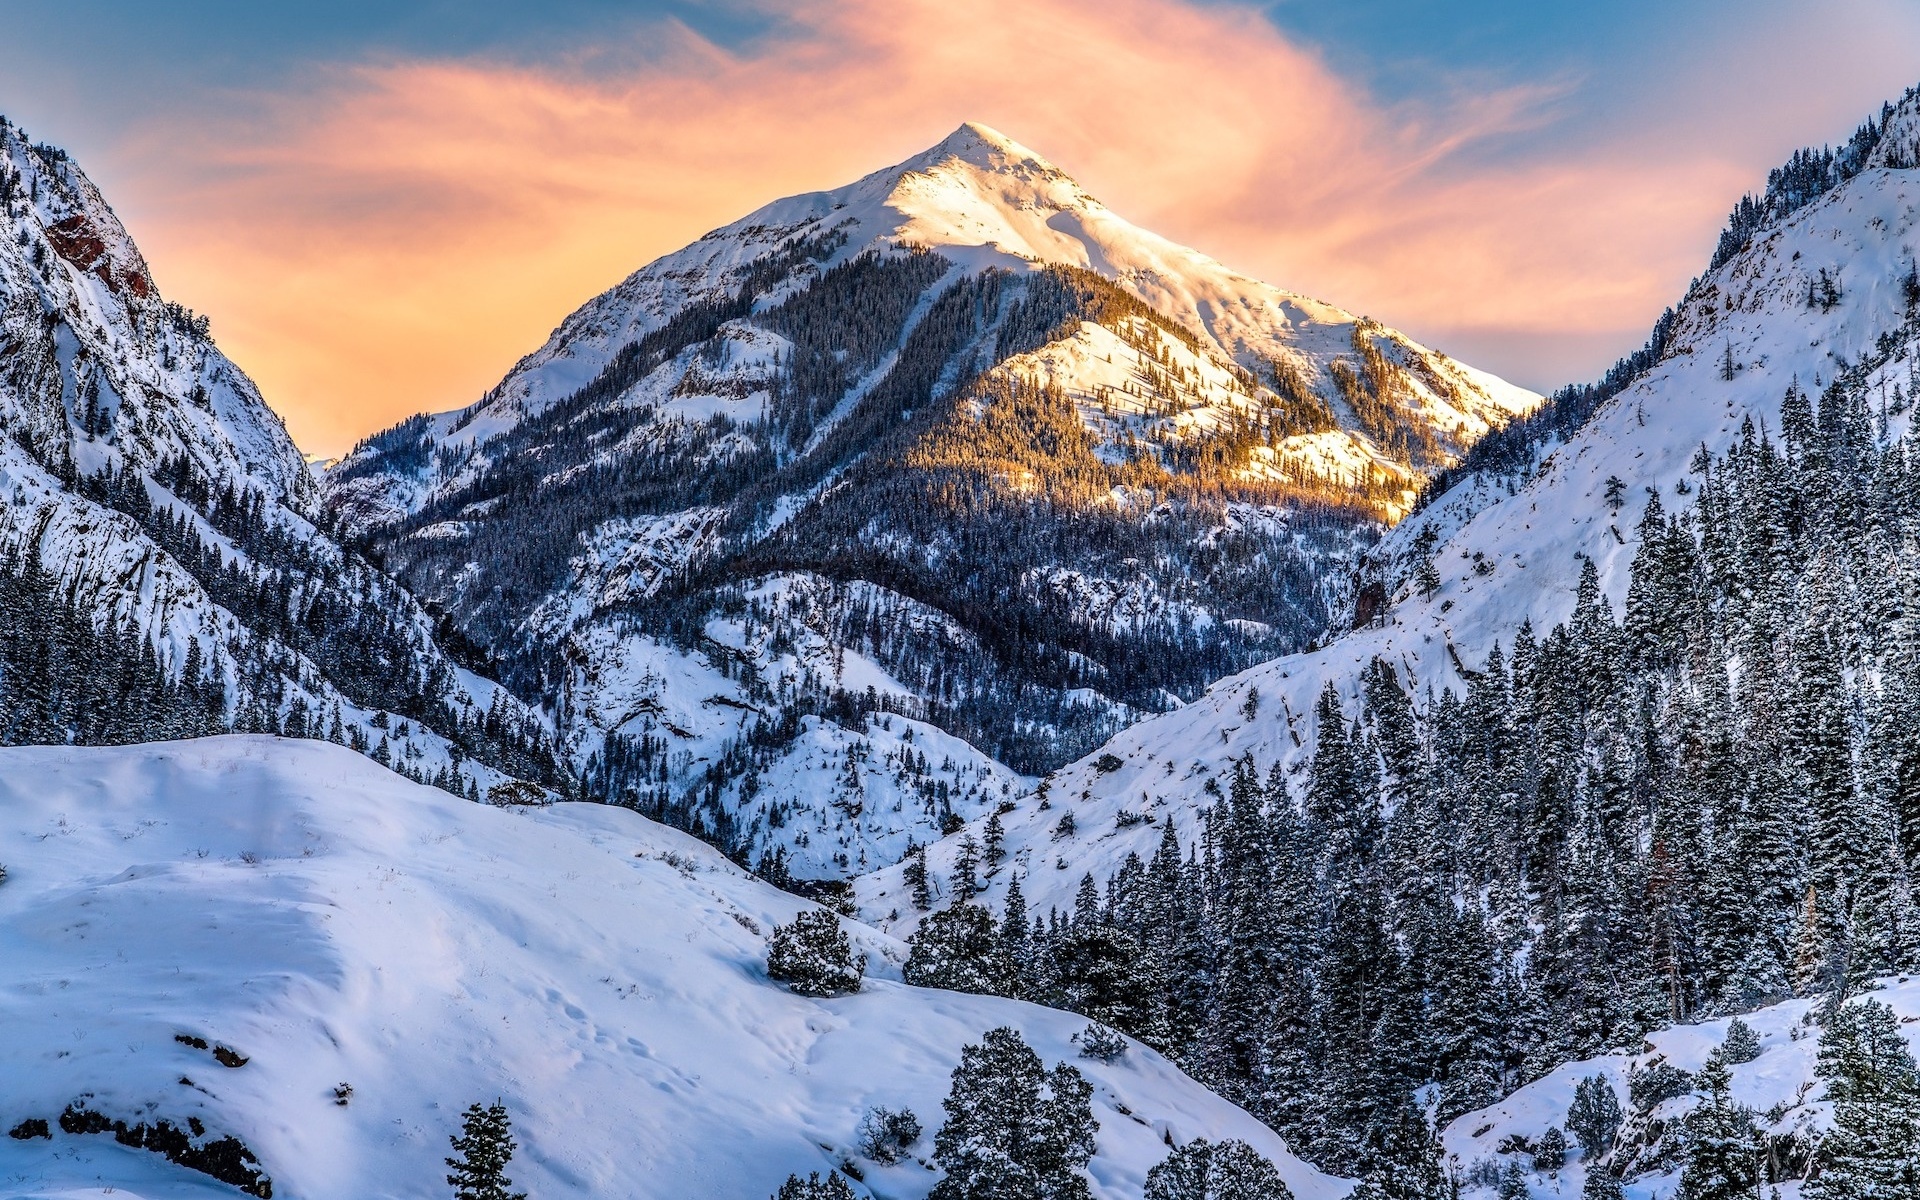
1404, 1158
1513, 1182
1723, 1156
1594, 1118
1550, 1151
1741, 1045
1202, 1170
813, 956
1601, 1184
1013, 1128
960, 949
815, 1188
915, 875
1873, 1149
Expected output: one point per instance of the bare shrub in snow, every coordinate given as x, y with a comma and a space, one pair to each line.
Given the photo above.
885, 1134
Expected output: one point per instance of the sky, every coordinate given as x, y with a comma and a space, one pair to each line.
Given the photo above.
383, 204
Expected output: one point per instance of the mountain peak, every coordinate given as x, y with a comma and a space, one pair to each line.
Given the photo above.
980, 146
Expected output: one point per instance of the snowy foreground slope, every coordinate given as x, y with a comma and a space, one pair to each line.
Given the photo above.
1510, 549
332, 923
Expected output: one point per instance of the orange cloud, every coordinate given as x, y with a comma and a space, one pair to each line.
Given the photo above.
388, 238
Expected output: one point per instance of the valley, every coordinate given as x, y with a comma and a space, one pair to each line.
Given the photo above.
934, 691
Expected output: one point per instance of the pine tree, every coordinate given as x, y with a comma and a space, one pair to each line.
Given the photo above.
915, 875
1813, 956
1873, 1150
1201, 1170
1426, 576
1595, 1117
965, 863
815, 1188
960, 949
1014, 1131
1550, 1151
813, 956
995, 848
1404, 1158
1742, 1044
1013, 928
1601, 1184
1513, 1182
482, 1150
1722, 1155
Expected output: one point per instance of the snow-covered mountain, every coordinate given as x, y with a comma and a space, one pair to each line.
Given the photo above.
149, 495
1508, 541
278, 942
953, 443
983, 201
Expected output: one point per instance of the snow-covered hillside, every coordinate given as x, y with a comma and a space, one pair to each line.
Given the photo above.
890, 395
839, 796
143, 473
1779, 1085
228, 934
1509, 548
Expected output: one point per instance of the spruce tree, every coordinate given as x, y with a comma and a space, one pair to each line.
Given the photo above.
1873, 1150
1013, 1130
482, 1150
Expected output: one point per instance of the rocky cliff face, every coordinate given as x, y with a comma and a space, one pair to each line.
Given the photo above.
152, 504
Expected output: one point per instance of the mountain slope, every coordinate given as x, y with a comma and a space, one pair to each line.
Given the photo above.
1035, 470
156, 511
1635, 741
332, 924
1509, 543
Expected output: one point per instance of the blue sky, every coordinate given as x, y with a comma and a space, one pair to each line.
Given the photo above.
108, 55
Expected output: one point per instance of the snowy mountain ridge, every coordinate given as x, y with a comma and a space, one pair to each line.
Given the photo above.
982, 201
146, 480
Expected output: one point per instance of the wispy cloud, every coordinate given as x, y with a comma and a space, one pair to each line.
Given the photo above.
382, 238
